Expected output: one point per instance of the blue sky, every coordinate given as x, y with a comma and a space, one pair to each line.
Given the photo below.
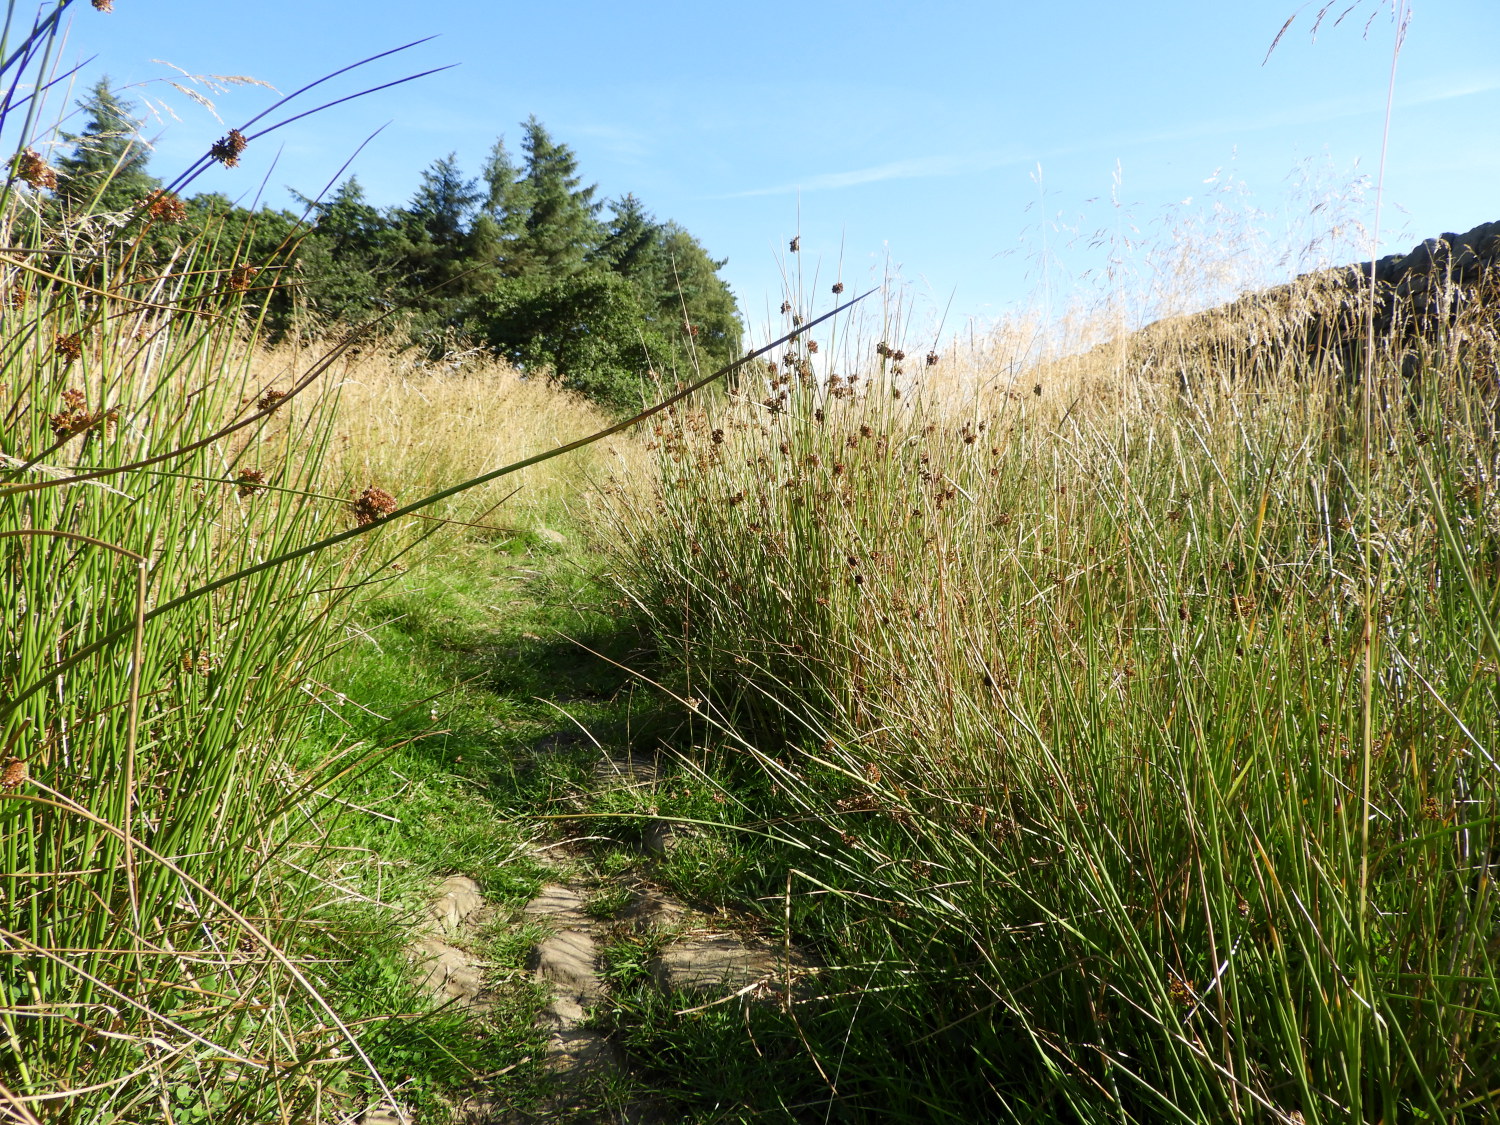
974, 148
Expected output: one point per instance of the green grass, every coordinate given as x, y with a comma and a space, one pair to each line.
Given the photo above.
1062, 731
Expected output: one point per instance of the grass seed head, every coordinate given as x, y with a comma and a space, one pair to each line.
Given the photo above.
250, 482
227, 149
372, 504
36, 171
240, 278
164, 207
14, 775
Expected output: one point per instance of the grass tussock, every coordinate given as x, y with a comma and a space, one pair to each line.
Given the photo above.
412, 427
1132, 751
184, 521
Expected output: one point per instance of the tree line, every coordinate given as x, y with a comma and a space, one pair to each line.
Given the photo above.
523, 259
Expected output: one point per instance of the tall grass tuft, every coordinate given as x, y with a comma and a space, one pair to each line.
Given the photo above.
150, 701
1056, 702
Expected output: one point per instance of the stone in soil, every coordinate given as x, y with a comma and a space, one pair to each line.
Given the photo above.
569, 960
563, 905
720, 965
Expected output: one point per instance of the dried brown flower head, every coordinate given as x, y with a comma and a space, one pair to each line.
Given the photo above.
240, 278
1037, 390
250, 482
14, 775
838, 287
164, 207
1182, 992
76, 418
226, 150
36, 171
269, 399
104, 5
69, 346
200, 662
373, 504
786, 307
17, 296
795, 244
932, 359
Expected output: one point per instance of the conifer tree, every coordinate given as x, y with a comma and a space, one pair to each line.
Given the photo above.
561, 230
106, 169
350, 262
632, 241
442, 207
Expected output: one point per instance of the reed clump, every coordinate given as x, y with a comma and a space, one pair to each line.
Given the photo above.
1133, 749
184, 519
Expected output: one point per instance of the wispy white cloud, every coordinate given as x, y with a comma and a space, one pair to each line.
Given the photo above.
916, 168
1421, 93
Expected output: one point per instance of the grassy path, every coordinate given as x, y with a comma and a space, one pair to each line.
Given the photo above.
487, 681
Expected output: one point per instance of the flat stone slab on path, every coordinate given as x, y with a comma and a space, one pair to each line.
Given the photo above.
722, 965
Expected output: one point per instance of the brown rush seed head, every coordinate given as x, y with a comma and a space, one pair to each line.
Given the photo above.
371, 505
164, 207
226, 150
240, 278
718, 437
786, 307
17, 296
932, 359
795, 244
14, 775
838, 287
36, 171
69, 347
200, 662
104, 5
269, 399
882, 349
1037, 390
1182, 992
250, 482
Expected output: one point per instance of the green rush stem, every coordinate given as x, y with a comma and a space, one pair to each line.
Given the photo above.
427, 501
137, 654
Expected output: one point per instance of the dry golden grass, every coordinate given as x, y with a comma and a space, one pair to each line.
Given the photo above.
413, 427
